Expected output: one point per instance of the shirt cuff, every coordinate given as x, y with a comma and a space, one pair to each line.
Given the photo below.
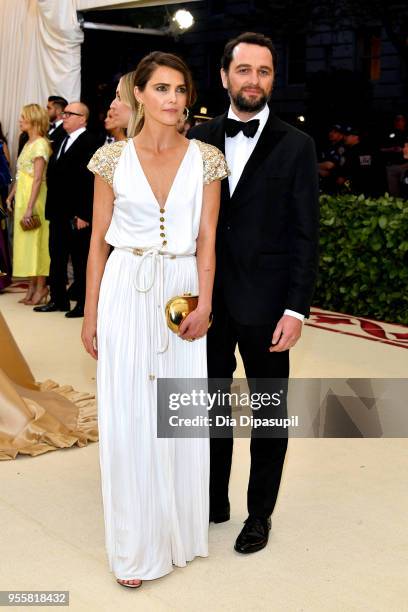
292, 313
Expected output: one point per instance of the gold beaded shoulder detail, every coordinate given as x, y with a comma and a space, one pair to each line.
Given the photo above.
214, 165
105, 160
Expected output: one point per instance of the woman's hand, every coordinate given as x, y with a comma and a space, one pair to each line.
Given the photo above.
88, 336
195, 325
9, 203
28, 217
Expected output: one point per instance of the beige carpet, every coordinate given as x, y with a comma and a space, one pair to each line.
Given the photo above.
339, 537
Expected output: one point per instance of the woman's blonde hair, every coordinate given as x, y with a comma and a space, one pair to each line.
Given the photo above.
126, 92
37, 116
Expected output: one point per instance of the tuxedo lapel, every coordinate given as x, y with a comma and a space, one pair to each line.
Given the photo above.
218, 140
270, 136
71, 151
218, 132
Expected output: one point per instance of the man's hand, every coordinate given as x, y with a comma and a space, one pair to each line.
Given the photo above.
80, 223
287, 333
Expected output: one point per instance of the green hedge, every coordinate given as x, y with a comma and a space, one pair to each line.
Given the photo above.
364, 257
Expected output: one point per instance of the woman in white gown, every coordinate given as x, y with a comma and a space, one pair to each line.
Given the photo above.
156, 201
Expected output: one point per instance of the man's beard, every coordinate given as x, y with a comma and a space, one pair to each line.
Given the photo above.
246, 105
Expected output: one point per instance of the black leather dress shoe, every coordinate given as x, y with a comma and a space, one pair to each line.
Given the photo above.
52, 307
221, 516
254, 535
77, 311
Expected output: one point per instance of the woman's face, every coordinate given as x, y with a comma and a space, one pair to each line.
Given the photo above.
109, 121
164, 96
120, 112
24, 124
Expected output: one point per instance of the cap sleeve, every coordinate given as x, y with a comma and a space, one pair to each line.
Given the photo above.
105, 160
40, 148
214, 165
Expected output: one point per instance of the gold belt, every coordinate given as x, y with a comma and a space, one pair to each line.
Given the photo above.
157, 256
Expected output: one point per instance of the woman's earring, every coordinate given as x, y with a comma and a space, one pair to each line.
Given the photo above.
187, 114
140, 111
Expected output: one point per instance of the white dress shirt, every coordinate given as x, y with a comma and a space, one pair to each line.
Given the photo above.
238, 150
71, 139
56, 124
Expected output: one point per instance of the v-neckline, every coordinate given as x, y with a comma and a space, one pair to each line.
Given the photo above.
161, 207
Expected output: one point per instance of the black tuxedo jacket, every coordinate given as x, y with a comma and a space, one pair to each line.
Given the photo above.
57, 137
70, 183
267, 234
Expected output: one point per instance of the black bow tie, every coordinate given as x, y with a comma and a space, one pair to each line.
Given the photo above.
52, 126
249, 128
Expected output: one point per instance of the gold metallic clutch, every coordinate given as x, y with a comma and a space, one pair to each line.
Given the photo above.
177, 308
34, 222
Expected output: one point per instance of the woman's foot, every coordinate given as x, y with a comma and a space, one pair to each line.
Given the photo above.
28, 296
39, 297
133, 584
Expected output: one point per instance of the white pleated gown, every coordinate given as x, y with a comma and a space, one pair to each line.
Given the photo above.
155, 491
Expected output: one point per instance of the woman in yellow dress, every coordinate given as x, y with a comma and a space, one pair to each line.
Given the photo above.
30, 248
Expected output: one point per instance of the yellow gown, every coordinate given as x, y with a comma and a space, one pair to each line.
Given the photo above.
30, 249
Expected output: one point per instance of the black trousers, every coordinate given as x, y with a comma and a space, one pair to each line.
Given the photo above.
64, 241
267, 453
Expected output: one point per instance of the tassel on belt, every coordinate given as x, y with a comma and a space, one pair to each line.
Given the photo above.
157, 257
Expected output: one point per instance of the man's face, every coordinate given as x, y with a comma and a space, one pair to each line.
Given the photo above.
351, 139
400, 123
335, 136
51, 110
73, 118
405, 151
249, 79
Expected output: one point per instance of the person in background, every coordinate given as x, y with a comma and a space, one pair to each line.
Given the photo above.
332, 159
396, 165
404, 182
184, 125
3, 141
5, 176
5, 180
357, 172
56, 132
114, 131
30, 248
69, 209
124, 111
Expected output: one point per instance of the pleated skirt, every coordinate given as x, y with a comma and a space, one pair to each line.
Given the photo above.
154, 490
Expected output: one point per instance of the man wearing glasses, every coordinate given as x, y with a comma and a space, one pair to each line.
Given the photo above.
69, 209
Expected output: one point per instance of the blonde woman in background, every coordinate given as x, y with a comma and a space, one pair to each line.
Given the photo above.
124, 109
30, 250
116, 132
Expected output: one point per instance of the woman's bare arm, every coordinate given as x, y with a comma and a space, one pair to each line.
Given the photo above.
196, 324
39, 167
98, 254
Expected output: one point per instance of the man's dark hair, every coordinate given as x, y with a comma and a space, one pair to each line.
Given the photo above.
251, 38
59, 101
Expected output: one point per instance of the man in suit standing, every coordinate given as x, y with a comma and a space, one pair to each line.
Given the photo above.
267, 239
56, 133
69, 209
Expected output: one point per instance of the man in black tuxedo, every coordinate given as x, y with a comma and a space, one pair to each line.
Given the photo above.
267, 240
56, 133
69, 209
